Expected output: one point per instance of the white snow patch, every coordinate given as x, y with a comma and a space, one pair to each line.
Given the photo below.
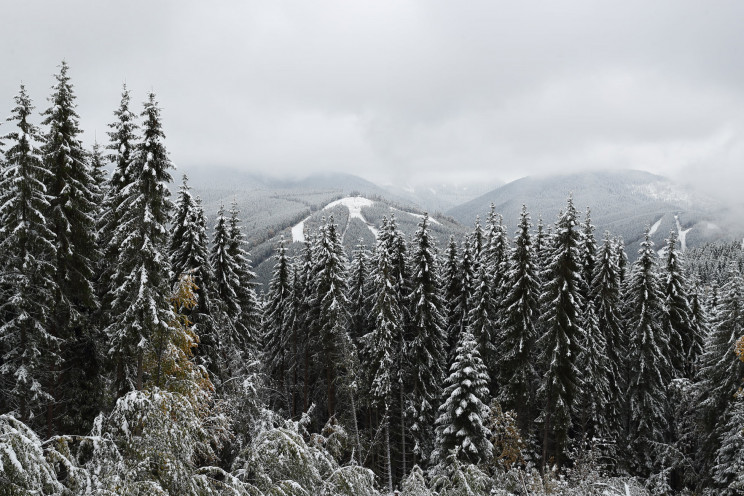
353, 203
298, 231
655, 227
682, 233
418, 216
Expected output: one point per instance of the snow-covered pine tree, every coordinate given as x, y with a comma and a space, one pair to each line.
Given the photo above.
359, 293
621, 260
27, 253
559, 347
686, 341
517, 374
100, 177
478, 241
483, 323
382, 342
189, 255
461, 425
333, 306
249, 324
463, 300
540, 241
452, 288
426, 352
588, 255
728, 472
224, 266
605, 288
141, 307
73, 204
594, 391
648, 359
498, 258
720, 373
277, 328
122, 140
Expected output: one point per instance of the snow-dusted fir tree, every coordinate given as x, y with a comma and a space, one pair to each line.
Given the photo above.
277, 327
73, 205
588, 255
594, 391
461, 425
648, 359
540, 243
359, 293
728, 472
498, 257
517, 374
189, 255
249, 323
559, 347
382, 343
141, 307
452, 289
621, 260
100, 177
483, 322
605, 288
122, 140
426, 352
686, 340
27, 253
720, 372
478, 241
467, 276
333, 311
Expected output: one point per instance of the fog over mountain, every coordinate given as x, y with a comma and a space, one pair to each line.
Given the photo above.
406, 92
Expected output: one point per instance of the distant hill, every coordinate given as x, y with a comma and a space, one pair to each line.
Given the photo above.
623, 202
440, 197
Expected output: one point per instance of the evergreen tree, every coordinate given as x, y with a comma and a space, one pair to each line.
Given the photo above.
122, 140
728, 472
478, 242
498, 258
333, 306
464, 299
517, 374
189, 255
73, 198
99, 175
607, 303
461, 423
648, 359
359, 294
141, 307
452, 284
426, 351
720, 372
249, 323
483, 323
594, 393
588, 256
277, 325
27, 248
561, 304
686, 340
382, 342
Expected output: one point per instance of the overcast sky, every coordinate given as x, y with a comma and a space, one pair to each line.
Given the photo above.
398, 91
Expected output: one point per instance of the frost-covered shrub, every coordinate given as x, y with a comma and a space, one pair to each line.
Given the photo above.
351, 480
455, 478
415, 484
23, 467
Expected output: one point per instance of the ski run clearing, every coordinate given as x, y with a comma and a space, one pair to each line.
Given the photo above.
355, 205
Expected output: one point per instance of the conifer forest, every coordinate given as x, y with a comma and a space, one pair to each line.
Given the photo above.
138, 354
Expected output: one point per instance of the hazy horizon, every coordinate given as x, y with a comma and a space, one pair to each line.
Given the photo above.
405, 92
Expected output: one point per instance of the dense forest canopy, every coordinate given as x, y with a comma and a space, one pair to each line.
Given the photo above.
138, 355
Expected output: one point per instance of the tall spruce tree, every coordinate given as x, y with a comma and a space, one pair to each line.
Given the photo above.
648, 359
189, 256
141, 308
461, 425
359, 294
686, 340
517, 374
278, 327
382, 343
249, 323
27, 255
728, 472
73, 204
560, 346
122, 141
721, 372
606, 291
333, 306
452, 288
426, 352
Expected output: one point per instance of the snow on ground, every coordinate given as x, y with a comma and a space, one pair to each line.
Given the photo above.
298, 231
682, 234
655, 227
355, 205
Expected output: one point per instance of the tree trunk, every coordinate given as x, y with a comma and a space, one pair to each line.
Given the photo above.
140, 371
402, 431
388, 465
